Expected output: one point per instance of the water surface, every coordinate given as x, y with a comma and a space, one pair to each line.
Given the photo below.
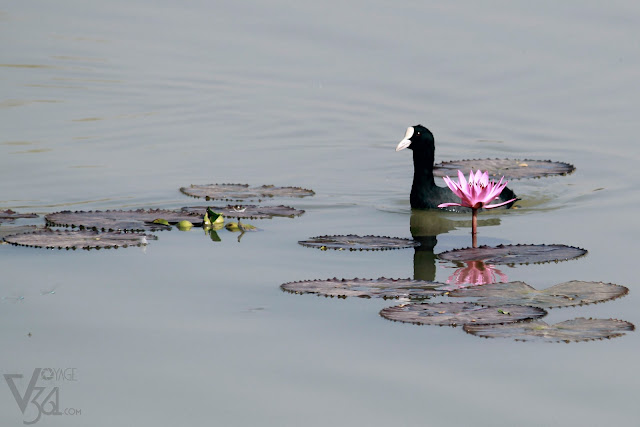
116, 105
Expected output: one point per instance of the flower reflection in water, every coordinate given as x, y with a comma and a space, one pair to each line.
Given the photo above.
475, 273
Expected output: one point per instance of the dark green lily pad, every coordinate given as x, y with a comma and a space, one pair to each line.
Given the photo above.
136, 220
579, 329
366, 288
358, 243
247, 211
243, 191
9, 215
564, 294
460, 313
78, 239
509, 168
514, 254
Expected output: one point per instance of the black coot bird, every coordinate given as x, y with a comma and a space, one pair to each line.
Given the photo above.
425, 194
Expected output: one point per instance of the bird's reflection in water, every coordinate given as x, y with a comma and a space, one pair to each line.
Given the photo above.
425, 227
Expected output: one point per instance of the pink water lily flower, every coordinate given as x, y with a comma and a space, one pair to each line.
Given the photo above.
477, 192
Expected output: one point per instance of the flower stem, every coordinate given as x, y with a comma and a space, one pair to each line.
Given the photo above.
474, 227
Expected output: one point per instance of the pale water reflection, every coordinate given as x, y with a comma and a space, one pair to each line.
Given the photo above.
474, 273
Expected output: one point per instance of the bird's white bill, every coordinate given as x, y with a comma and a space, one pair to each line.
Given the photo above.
406, 141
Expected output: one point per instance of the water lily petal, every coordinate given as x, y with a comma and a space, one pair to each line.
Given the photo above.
461, 179
499, 204
495, 190
453, 186
484, 179
456, 188
477, 179
462, 183
484, 195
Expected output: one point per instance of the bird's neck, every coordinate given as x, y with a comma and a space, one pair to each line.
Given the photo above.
423, 169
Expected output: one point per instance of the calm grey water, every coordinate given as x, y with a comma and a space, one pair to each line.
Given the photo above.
115, 105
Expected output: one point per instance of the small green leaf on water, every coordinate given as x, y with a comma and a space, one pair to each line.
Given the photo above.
214, 217
504, 312
185, 225
161, 221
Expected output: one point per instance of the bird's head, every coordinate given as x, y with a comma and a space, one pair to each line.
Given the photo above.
417, 138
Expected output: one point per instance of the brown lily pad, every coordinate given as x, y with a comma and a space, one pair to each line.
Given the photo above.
509, 168
247, 211
514, 254
20, 229
78, 239
136, 220
564, 294
579, 329
366, 288
460, 313
358, 243
243, 191
9, 215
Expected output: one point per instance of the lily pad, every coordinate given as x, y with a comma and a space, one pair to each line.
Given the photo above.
136, 220
9, 215
509, 168
358, 243
514, 254
460, 313
564, 294
78, 239
20, 229
366, 288
247, 211
580, 329
243, 191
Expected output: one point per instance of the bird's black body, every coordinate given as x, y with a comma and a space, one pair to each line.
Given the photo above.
425, 194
